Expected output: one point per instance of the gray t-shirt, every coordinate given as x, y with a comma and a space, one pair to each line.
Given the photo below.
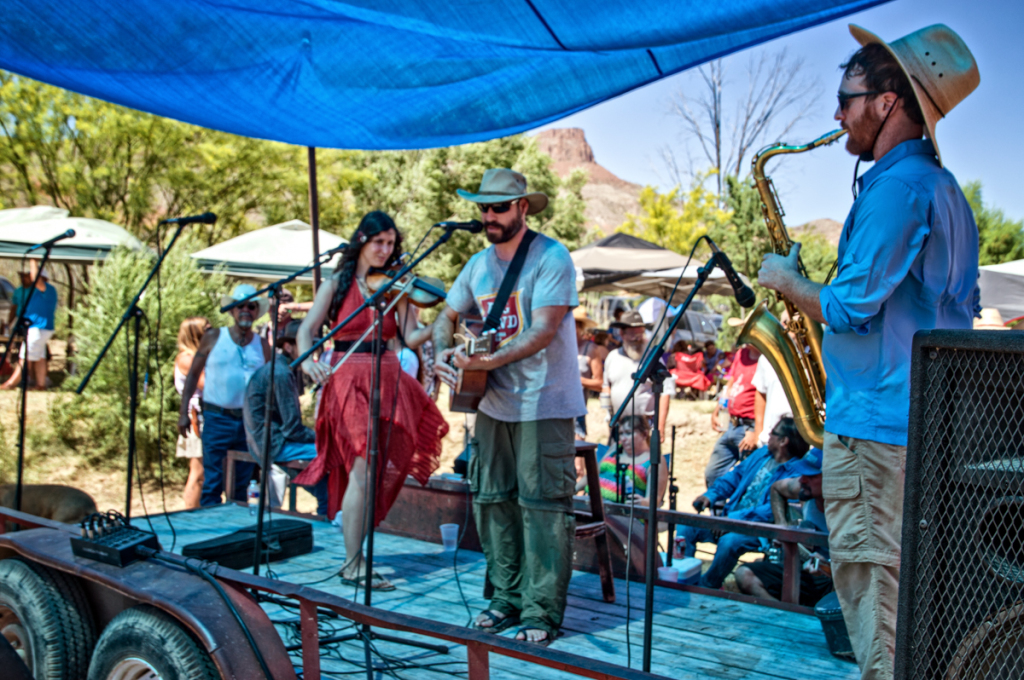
618, 376
546, 384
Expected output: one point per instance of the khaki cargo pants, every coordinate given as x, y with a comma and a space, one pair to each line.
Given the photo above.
862, 483
523, 476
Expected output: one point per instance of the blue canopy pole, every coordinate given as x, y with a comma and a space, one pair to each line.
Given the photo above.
314, 217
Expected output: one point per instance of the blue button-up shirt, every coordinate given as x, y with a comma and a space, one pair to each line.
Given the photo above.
734, 483
908, 261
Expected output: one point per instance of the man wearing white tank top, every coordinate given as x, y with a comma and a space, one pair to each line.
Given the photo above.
230, 356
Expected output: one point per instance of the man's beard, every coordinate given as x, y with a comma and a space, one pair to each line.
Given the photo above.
245, 323
634, 350
863, 142
805, 493
507, 233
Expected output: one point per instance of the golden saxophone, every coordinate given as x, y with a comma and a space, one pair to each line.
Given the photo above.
794, 350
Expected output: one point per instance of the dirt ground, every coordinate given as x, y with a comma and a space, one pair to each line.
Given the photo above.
693, 442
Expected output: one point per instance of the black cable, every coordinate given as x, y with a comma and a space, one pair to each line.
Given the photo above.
153, 554
160, 391
455, 560
138, 470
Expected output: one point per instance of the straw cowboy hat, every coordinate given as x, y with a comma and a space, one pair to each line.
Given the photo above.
242, 291
991, 320
938, 65
500, 185
581, 316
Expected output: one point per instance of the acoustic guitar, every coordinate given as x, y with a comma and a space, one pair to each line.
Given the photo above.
470, 386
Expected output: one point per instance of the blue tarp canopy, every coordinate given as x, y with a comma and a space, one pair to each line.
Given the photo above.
380, 74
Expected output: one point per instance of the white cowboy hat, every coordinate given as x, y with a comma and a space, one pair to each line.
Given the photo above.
242, 291
938, 65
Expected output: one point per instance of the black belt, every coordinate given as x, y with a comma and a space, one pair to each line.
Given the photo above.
235, 413
736, 420
345, 345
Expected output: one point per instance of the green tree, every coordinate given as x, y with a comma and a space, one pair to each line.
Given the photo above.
96, 423
101, 160
417, 188
1000, 239
674, 221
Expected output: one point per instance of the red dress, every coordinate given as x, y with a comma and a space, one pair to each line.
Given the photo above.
411, 428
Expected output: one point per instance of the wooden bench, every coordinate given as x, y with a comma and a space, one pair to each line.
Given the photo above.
244, 457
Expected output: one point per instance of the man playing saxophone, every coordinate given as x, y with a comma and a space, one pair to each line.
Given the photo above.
908, 260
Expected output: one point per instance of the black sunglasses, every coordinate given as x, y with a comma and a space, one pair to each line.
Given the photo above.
251, 306
845, 97
497, 208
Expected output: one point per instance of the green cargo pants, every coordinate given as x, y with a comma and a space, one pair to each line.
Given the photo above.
522, 476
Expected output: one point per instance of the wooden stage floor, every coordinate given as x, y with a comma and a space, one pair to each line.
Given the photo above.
695, 636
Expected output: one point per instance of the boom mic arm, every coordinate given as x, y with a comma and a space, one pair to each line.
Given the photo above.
70, 233
205, 218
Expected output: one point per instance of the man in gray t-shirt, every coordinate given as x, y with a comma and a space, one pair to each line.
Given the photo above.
521, 470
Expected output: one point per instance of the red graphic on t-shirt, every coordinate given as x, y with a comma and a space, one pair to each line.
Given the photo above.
511, 323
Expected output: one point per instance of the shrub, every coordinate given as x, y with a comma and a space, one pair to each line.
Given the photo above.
96, 423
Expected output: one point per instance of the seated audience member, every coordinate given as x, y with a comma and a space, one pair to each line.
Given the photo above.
745, 490
289, 439
635, 446
688, 369
715, 361
764, 579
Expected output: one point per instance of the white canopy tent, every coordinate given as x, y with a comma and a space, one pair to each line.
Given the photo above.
21, 228
659, 284
268, 254
1002, 287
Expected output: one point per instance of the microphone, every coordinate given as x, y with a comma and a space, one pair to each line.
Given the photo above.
473, 226
205, 218
46, 244
742, 291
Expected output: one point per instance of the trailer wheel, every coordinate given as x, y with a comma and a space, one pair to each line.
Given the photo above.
144, 643
44, 615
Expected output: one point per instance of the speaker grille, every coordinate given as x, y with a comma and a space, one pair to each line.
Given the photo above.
961, 614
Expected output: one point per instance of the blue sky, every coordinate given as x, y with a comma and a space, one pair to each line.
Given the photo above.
983, 138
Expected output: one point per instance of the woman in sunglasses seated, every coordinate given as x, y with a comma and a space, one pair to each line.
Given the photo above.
410, 427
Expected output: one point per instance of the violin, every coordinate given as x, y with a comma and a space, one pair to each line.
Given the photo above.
426, 291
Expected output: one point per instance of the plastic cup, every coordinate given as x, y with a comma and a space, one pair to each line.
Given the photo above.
668, 574
450, 536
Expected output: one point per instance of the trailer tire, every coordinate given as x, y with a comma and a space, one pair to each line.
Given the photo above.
45, 616
144, 639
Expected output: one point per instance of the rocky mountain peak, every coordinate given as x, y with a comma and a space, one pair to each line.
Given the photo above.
566, 145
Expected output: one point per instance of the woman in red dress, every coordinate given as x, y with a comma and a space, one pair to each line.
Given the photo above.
411, 427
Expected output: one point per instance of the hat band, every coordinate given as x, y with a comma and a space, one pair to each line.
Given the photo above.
929, 95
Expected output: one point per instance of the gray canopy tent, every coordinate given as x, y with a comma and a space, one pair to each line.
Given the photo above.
1002, 287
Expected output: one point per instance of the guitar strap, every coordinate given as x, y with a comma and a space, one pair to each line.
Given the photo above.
509, 282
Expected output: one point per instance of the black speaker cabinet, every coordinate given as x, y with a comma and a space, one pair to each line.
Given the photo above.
961, 606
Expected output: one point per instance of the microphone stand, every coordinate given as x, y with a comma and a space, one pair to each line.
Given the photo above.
379, 303
21, 327
135, 313
655, 371
372, 300
274, 293
673, 495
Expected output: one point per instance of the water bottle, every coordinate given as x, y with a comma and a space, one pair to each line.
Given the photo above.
253, 496
629, 485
